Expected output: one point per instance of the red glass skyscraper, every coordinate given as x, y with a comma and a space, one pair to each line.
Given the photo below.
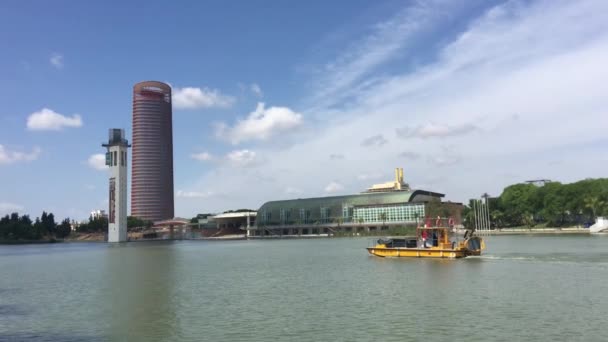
152, 164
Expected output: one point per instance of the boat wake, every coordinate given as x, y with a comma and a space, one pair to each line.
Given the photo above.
550, 259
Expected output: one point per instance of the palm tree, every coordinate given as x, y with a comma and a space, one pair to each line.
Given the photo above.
594, 204
528, 220
383, 218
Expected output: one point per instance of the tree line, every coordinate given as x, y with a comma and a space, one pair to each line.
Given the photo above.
14, 227
552, 204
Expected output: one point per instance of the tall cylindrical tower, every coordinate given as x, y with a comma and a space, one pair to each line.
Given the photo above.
152, 164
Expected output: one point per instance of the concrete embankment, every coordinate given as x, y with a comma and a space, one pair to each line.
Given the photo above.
224, 237
535, 231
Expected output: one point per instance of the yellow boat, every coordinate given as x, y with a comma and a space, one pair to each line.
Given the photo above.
432, 242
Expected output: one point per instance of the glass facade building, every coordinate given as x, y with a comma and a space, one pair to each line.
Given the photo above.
403, 207
409, 213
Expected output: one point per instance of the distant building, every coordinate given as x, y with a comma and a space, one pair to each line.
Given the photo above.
538, 182
379, 207
228, 223
152, 173
95, 214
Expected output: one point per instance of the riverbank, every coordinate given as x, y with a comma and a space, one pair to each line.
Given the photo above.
85, 237
27, 242
224, 237
535, 231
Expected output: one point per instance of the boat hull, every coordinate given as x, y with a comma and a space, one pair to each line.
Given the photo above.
417, 252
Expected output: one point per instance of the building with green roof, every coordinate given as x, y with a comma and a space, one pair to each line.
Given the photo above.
370, 210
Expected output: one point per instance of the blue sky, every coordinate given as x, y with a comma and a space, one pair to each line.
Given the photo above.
279, 99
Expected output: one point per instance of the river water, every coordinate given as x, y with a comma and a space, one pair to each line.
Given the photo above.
541, 288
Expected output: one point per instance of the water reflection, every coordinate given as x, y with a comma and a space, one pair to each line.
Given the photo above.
139, 291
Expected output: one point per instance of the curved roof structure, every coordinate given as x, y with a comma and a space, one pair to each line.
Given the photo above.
276, 211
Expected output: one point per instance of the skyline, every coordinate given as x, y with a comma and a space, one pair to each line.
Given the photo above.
467, 97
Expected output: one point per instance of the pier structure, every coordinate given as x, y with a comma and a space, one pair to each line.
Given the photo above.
116, 160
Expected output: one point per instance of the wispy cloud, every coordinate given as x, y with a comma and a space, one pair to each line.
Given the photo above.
194, 194
351, 69
242, 158
256, 90
376, 140
48, 120
56, 60
432, 130
203, 156
261, 124
409, 155
195, 98
444, 160
11, 156
336, 156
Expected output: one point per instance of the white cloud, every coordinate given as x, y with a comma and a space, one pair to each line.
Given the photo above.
203, 156
333, 187
57, 60
193, 98
194, 194
336, 156
9, 157
242, 158
261, 124
48, 120
376, 140
431, 130
97, 161
255, 88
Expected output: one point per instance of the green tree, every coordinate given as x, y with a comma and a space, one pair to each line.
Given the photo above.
528, 220
63, 229
517, 201
38, 227
95, 224
135, 222
48, 223
497, 218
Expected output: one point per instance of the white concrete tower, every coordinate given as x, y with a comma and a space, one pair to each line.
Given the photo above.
116, 159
